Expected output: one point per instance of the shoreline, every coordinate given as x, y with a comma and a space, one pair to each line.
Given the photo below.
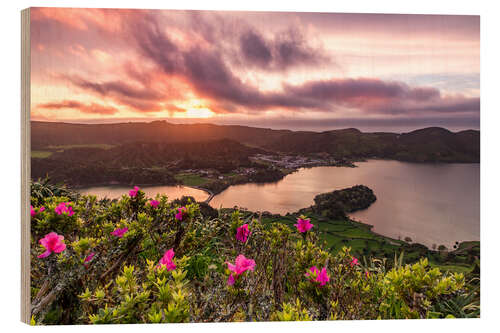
211, 195
79, 188
82, 187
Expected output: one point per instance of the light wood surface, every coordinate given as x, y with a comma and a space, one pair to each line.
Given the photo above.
25, 164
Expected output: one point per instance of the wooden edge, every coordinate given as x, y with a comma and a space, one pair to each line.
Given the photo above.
25, 164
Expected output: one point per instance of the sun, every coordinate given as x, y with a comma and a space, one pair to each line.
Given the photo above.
195, 108
198, 113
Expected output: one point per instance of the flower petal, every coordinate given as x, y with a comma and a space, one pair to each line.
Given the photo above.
230, 280
59, 247
45, 254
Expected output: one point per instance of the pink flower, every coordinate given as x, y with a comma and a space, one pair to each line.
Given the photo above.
303, 225
52, 242
242, 233
167, 261
181, 213
33, 211
60, 208
89, 258
154, 203
318, 276
241, 265
354, 262
133, 192
323, 277
119, 232
63, 208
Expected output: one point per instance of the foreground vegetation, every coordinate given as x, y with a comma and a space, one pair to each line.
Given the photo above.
150, 260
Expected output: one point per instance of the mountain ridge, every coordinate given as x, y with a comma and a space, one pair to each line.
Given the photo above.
430, 144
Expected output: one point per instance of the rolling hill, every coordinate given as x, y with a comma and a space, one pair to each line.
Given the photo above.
431, 144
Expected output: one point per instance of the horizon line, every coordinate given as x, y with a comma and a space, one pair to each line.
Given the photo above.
249, 126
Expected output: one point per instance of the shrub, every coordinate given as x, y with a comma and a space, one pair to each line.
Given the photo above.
104, 276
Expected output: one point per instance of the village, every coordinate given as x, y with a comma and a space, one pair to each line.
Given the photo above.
284, 163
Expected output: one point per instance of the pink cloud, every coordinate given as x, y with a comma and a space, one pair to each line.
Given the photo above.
147, 61
92, 108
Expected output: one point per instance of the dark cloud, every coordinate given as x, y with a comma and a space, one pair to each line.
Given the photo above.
115, 88
143, 99
244, 45
343, 90
255, 49
156, 45
204, 69
377, 96
293, 50
288, 49
92, 108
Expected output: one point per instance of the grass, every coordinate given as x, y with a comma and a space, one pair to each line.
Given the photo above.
40, 153
95, 145
339, 233
453, 268
230, 174
190, 179
335, 234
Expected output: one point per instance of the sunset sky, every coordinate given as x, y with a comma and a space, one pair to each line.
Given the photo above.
307, 71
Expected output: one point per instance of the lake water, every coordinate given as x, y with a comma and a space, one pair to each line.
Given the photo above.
430, 203
173, 192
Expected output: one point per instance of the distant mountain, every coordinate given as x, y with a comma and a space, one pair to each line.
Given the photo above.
439, 144
431, 144
45, 134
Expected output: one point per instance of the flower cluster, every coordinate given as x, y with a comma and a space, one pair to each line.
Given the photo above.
242, 233
33, 211
133, 193
64, 207
303, 225
181, 213
52, 242
88, 259
154, 203
354, 262
167, 260
241, 265
315, 275
119, 232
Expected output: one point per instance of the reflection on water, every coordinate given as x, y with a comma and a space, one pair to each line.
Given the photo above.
430, 203
173, 192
